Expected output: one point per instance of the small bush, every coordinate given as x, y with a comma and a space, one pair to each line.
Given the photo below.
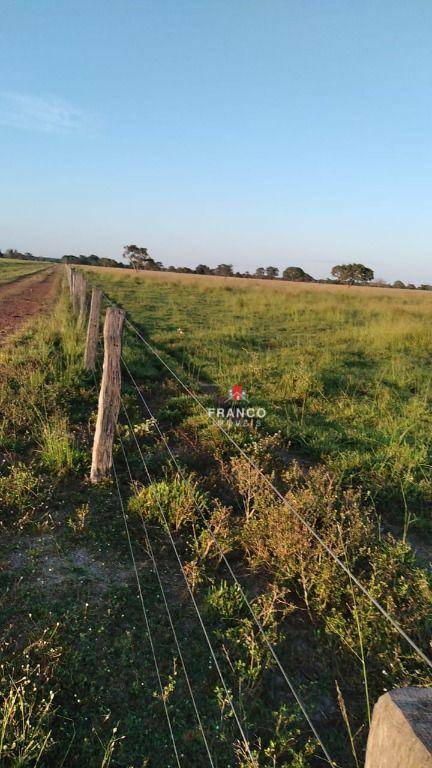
79, 521
274, 537
58, 451
244, 645
218, 530
175, 499
19, 495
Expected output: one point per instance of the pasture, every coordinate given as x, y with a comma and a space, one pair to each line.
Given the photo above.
10, 269
343, 375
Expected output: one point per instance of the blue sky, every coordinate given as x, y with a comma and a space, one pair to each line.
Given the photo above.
283, 132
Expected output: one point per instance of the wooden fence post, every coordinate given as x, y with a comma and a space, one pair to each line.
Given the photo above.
73, 289
82, 298
401, 730
109, 396
93, 330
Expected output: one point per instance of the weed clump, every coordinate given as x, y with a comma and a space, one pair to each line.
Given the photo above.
58, 450
172, 500
274, 537
276, 541
27, 703
21, 496
25, 724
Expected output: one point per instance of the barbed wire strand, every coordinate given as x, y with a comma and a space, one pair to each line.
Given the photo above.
156, 569
207, 637
147, 623
150, 549
144, 610
300, 517
235, 579
228, 695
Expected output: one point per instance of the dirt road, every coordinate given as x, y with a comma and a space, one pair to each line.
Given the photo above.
24, 298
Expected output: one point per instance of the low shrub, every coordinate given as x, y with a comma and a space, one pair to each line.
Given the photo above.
20, 496
58, 450
175, 500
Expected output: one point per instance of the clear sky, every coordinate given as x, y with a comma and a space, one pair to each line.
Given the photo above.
254, 132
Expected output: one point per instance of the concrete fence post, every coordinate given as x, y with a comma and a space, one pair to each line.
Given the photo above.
109, 396
401, 730
93, 330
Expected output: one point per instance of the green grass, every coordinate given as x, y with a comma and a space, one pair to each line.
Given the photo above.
77, 680
58, 451
344, 374
10, 269
70, 617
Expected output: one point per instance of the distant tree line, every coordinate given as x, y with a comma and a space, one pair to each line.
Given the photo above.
12, 253
138, 258
91, 261
349, 274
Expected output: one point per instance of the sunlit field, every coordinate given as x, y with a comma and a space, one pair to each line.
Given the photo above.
344, 373
10, 269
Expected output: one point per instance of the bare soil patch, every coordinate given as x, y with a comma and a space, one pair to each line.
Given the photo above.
24, 298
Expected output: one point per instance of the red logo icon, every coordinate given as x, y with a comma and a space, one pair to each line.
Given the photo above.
237, 393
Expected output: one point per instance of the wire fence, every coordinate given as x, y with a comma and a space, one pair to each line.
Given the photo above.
244, 738
343, 566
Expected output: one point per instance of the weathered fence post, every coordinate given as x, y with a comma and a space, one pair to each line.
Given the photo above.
401, 730
109, 396
93, 330
82, 298
73, 289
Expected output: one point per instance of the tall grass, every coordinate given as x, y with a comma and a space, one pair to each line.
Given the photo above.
25, 734
344, 373
42, 369
10, 269
308, 356
57, 447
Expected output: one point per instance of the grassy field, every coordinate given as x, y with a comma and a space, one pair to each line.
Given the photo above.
10, 269
343, 375
78, 684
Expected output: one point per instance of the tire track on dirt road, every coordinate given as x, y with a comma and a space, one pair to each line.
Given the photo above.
25, 298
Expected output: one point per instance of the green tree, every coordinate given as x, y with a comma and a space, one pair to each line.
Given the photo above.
352, 273
224, 270
153, 265
297, 275
260, 272
12, 253
69, 258
203, 269
272, 272
104, 262
399, 284
137, 256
